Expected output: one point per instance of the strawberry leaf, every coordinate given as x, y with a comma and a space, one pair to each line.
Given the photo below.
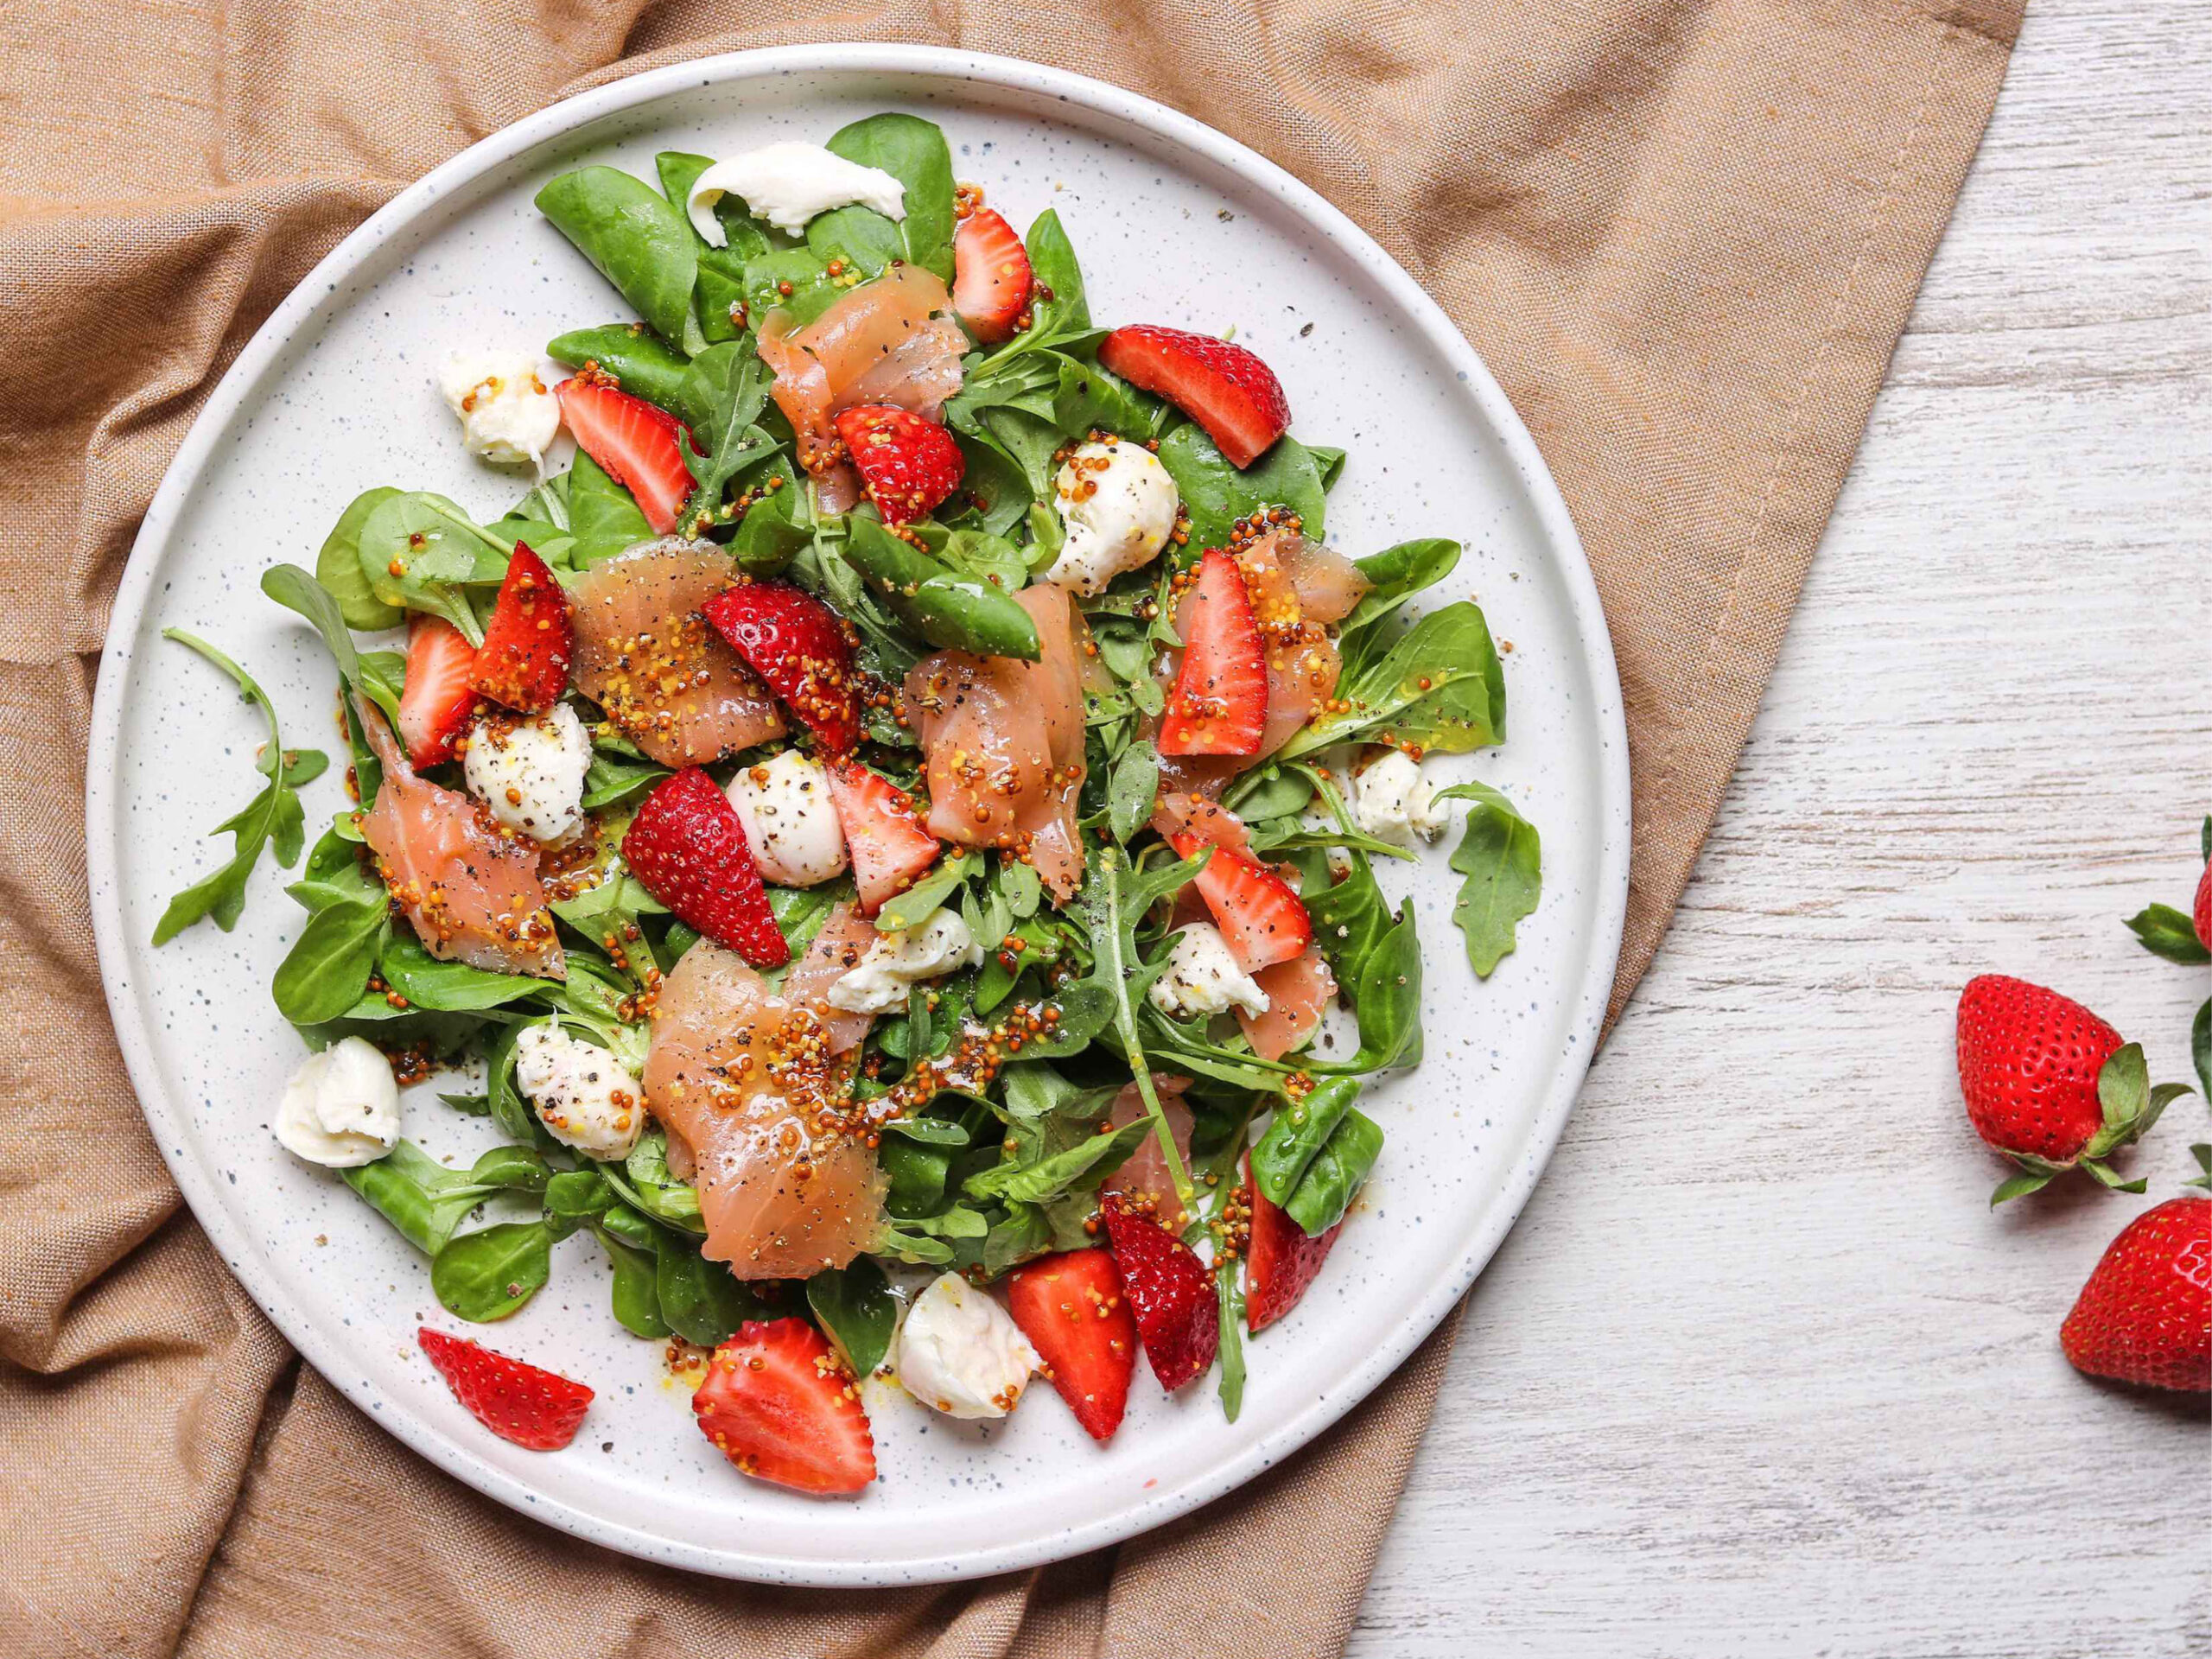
2166, 932
2123, 1085
2203, 1155
2200, 1046
2018, 1187
2110, 1178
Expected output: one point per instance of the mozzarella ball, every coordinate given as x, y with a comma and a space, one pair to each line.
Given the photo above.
791, 823
938, 944
341, 1108
1118, 504
960, 1353
529, 772
504, 402
1393, 800
579, 1091
1202, 977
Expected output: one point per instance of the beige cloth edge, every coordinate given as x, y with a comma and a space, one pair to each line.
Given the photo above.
118, 1310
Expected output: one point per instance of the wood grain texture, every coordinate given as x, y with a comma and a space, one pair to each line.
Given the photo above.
1759, 1373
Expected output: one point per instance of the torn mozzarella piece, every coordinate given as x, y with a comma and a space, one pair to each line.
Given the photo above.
1393, 800
960, 1353
579, 1091
787, 184
505, 403
529, 772
1202, 978
1118, 504
790, 824
937, 945
341, 1108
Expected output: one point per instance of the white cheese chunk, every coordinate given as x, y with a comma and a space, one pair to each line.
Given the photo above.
579, 1091
341, 1108
1202, 977
938, 944
529, 772
1118, 504
505, 403
1393, 800
787, 184
791, 823
960, 1353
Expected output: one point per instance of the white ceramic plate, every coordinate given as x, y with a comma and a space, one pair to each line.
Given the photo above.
1174, 224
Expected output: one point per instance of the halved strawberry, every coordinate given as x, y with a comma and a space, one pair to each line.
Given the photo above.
1222, 387
991, 278
1169, 1290
523, 661
781, 1405
796, 644
889, 847
1072, 1310
440, 692
1219, 702
687, 845
634, 442
1280, 1262
907, 464
517, 1401
1258, 912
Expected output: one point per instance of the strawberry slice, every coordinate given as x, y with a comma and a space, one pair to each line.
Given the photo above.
523, 661
991, 278
1258, 912
889, 848
907, 464
687, 845
796, 643
634, 443
517, 1401
1072, 1310
440, 693
1169, 1290
1280, 1262
782, 1407
1222, 387
1219, 702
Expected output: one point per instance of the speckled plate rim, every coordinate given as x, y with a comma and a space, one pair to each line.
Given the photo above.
104, 796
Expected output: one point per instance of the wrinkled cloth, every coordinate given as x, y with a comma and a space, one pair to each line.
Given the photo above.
1684, 233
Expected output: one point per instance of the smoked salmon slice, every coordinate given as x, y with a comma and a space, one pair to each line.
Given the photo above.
669, 683
1297, 992
471, 889
786, 1185
1004, 740
845, 938
1146, 1169
893, 340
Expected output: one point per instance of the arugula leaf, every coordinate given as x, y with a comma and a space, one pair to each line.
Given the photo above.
1440, 686
1501, 856
730, 384
911, 907
273, 818
1081, 1168
1113, 899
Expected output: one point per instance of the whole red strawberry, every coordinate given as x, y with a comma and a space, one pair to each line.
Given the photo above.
2145, 1315
2049, 1084
907, 464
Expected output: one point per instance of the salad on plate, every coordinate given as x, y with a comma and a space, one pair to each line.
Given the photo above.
887, 833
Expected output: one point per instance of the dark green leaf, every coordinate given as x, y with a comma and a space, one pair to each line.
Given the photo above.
635, 237
1501, 856
1216, 494
912, 151
489, 1274
338, 566
2166, 932
855, 1307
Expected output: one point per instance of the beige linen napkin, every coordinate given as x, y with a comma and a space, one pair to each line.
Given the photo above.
1685, 234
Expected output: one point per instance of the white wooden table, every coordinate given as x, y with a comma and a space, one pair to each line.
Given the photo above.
1758, 1372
